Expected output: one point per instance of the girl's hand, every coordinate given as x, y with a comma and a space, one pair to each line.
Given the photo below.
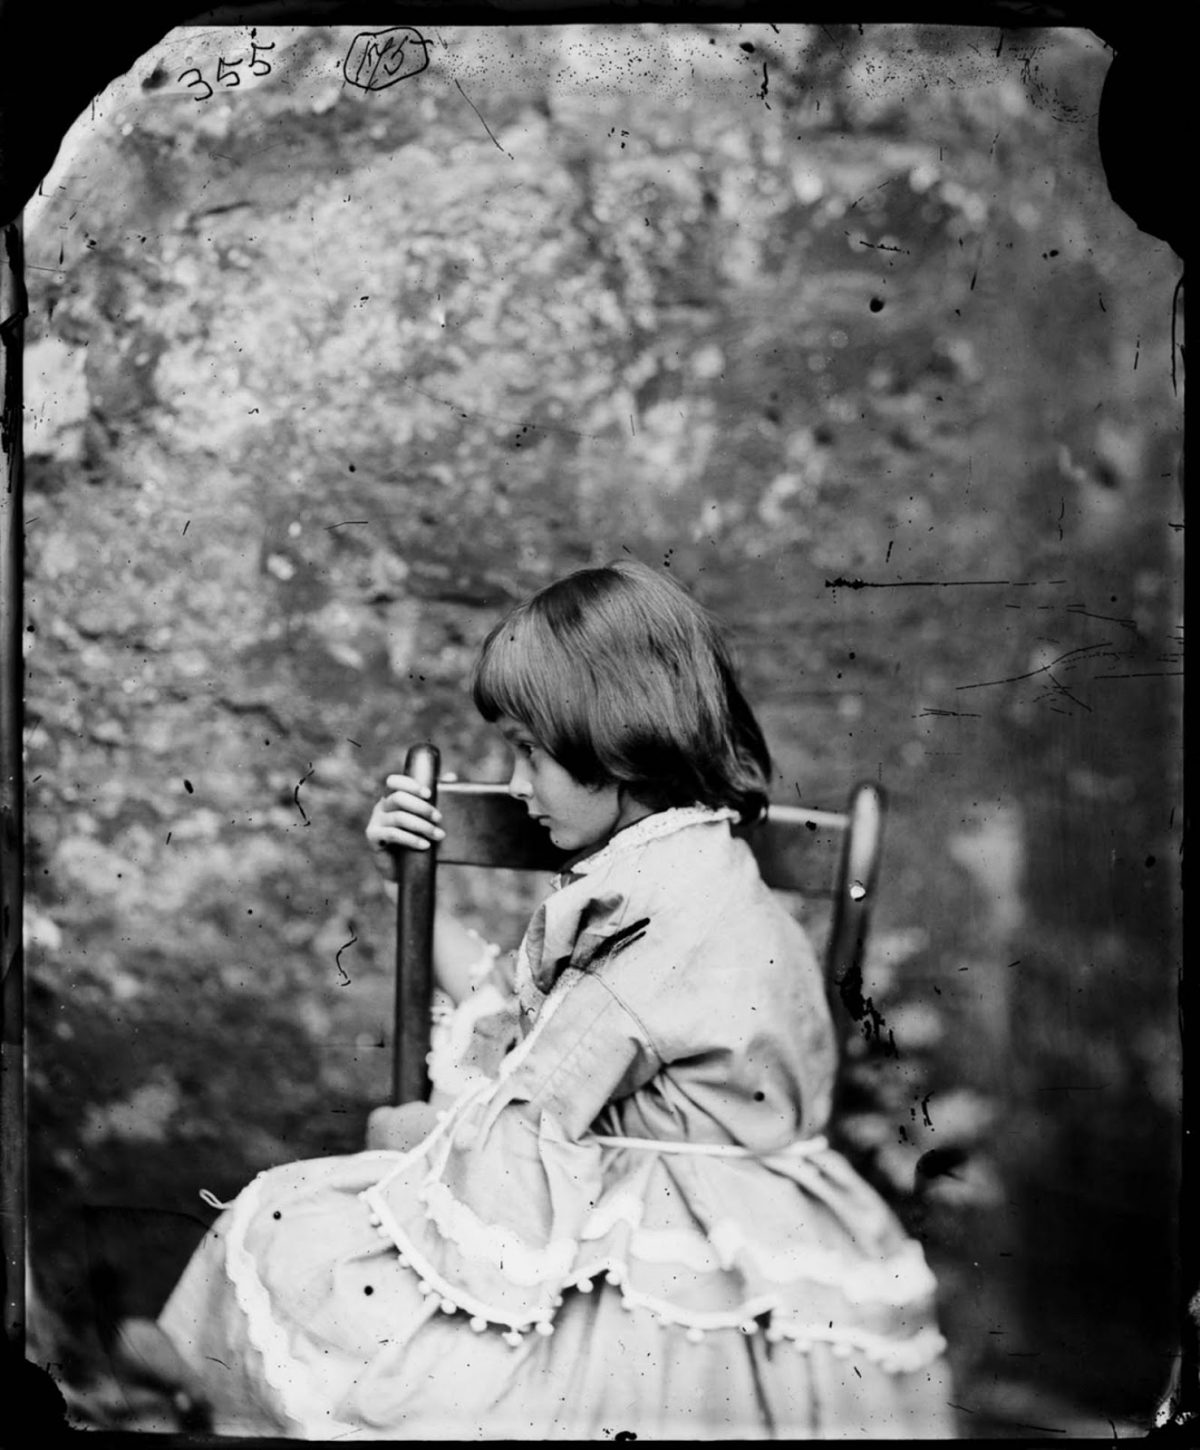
403, 817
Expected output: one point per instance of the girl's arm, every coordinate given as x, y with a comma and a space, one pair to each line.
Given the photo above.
458, 954
404, 817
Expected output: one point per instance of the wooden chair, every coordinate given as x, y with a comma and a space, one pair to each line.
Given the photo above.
829, 854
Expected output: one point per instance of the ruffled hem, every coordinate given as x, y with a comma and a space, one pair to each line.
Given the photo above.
295, 1394
768, 1313
293, 1376
804, 1293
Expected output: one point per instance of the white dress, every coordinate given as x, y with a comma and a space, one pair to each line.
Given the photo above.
629, 1221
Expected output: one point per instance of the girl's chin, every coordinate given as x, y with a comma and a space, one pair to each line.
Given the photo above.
573, 843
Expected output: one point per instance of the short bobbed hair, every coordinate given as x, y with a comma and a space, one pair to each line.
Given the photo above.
625, 680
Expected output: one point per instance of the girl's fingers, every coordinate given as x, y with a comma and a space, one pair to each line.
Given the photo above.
404, 817
406, 800
404, 821
383, 836
402, 839
406, 784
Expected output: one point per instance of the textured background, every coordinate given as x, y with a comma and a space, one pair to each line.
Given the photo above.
842, 328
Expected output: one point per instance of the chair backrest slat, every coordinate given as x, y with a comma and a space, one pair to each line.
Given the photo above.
485, 826
796, 849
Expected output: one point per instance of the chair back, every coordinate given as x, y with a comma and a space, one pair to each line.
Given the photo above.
833, 855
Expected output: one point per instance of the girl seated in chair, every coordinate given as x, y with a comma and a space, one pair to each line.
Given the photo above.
624, 1215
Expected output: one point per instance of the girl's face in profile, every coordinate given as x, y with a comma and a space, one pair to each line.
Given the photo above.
576, 816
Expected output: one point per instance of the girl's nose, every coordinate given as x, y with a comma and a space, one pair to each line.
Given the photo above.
519, 785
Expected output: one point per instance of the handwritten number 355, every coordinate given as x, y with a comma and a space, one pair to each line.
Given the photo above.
227, 71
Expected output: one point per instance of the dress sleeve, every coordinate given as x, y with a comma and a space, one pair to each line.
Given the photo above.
490, 1209
588, 1049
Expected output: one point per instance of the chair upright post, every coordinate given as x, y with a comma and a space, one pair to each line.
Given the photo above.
862, 847
415, 876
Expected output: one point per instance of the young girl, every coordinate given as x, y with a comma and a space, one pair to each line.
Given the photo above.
625, 1218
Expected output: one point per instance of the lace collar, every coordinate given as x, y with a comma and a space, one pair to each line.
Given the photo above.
649, 828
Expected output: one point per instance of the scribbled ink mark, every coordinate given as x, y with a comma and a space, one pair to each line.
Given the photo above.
296, 793
843, 583
940, 1163
485, 125
379, 58
345, 982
